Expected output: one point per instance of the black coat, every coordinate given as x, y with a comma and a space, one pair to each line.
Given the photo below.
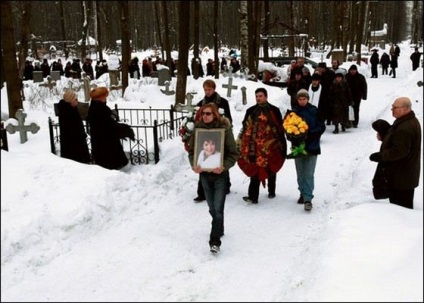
401, 152
73, 144
358, 87
106, 146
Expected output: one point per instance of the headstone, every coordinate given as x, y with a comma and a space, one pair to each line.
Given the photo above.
55, 75
189, 107
163, 76
243, 94
37, 76
167, 91
22, 128
229, 86
114, 77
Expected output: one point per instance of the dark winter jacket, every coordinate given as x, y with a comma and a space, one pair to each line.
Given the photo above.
374, 60
73, 144
106, 146
401, 153
340, 99
230, 148
316, 127
358, 87
220, 102
415, 58
385, 60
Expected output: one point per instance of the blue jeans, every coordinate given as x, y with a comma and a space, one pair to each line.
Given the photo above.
305, 170
215, 186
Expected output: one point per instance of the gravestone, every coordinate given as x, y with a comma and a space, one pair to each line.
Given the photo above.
243, 94
55, 74
229, 86
114, 77
163, 76
37, 76
167, 91
21, 127
189, 106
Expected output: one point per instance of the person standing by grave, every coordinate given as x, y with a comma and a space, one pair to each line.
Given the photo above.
401, 152
87, 67
45, 68
211, 96
415, 58
374, 60
214, 181
263, 145
68, 70
107, 150
134, 69
235, 65
73, 143
146, 68
28, 70
58, 67
358, 89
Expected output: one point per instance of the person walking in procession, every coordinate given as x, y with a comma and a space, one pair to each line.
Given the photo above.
73, 138
415, 58
340, 99
305, 164
358, 89
214, 181
211, 96
263, 145
401, 154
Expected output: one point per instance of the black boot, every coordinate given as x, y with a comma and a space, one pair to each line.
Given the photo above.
336, 129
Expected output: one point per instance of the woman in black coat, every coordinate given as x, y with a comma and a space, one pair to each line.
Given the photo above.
106, 146
73, 144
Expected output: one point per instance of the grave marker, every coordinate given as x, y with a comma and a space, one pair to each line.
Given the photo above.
55, 75
167, 91
163, 76
243, 94
229, 86
37, 76
21, 127
189, 107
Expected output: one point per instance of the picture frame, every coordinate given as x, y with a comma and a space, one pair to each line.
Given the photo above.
209, 141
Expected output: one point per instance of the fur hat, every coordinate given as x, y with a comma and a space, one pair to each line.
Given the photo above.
322, 64
353, 67
339, 71
381, 126
99, 93
69, 95
302, 93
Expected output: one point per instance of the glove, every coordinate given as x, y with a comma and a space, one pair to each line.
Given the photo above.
376, 157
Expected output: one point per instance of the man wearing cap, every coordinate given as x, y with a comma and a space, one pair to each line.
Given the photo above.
305, 165
106, 146
401, 154
358, 88
73, 144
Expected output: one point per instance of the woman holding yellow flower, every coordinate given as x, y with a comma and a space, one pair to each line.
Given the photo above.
304, 128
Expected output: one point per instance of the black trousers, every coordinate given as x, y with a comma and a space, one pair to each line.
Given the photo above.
255, 183
403, 198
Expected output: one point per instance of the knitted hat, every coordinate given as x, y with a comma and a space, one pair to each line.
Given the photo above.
322, 64
99, 93
302, 93
69, 95
339, 71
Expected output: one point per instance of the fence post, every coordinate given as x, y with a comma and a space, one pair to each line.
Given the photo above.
116, 112
156, 141
171, 117
4, 144
52, 147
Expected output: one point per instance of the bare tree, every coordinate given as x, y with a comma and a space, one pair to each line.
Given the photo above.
244, 32
25, 36
10, 64
166, 44
196, 64
215, 38
183, 47
126, 51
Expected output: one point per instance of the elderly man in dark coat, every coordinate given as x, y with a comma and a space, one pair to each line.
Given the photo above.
401, 154
73, 144
106, 146
358, 89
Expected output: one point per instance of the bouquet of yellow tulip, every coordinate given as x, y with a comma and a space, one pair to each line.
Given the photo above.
296, 129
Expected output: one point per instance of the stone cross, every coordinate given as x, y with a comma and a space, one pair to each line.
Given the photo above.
230, 72
243, 94
21, 127
229, 86
167, 91
189, 107
50, 83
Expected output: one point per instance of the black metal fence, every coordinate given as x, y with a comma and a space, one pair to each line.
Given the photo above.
4, 144
151, 126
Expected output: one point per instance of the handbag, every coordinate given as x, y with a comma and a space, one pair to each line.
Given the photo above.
125, 131
380, 183
351, 113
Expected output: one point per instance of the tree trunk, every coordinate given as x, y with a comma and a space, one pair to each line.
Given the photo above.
215, 39
126, 51
244, 33
25, 36
183, 47
196, 60
166, 44
359, 37
14, 84
266, 30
